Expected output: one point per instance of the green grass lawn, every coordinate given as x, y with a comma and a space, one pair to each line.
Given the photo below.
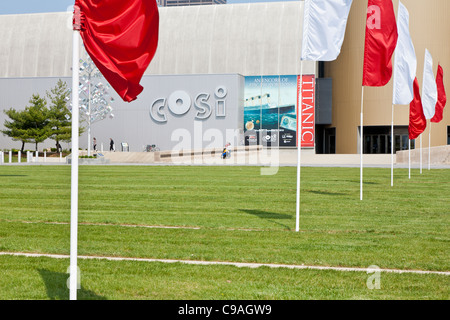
238, 216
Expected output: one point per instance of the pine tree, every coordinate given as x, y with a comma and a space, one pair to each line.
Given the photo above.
17, 126
38, 123
59, 114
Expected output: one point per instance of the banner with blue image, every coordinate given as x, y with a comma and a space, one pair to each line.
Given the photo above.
270, 110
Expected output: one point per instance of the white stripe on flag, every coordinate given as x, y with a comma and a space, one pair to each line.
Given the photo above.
429, 87
324, 27
405, 61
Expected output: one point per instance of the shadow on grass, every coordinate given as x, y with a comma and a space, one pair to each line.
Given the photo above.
56, 286
355, 181
13, 175
325, 193
270, 216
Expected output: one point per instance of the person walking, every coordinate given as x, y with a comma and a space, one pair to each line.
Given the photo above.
111, 145
95, 144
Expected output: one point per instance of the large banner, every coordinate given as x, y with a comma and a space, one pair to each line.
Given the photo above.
308, 109
270, 110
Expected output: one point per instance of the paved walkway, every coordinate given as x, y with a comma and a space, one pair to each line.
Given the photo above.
264, 157
285, 157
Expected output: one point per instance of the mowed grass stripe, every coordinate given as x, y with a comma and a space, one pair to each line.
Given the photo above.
370, 269
45, 278
389, 251
222, 197
405, 225
104, 224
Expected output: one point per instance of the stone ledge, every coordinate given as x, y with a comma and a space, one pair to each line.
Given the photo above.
439, 155
92, 161
208, 151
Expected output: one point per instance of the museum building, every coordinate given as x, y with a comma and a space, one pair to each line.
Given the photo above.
231, 73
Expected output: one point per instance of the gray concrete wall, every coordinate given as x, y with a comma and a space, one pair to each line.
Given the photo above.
249, 39
211, 120
151, 120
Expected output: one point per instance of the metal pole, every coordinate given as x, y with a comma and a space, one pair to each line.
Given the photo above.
409, 158
392, 148
299, 148
74, 173
429, 148
420, 154
89, 116
362, 147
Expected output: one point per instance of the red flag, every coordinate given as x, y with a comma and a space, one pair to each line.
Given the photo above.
417, 121
380, 43
121, 37
442, 98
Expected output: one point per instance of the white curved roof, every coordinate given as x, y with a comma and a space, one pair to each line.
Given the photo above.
35, 45
250, 39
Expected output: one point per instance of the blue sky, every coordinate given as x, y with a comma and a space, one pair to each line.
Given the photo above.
35, 6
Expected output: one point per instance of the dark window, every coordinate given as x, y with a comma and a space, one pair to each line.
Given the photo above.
377, 139
330, 140
448, 135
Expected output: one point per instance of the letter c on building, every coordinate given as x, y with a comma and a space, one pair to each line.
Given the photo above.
159, 116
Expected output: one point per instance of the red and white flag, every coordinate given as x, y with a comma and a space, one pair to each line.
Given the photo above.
429, 88
442, 97
417, 121
121, 37
380, 43
405, 61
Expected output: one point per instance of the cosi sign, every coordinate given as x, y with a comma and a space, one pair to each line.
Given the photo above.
179, 103
308, 109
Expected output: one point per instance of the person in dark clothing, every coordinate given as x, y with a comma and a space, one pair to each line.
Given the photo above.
226, 151
111, 144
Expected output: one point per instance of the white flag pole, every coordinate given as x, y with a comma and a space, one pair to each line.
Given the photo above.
73, 283
392, 148
409, 158
362, 147
421, 154
299, 148
429, 148
392, 122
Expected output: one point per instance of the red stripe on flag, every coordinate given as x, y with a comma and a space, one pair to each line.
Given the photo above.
380, 42
442, 97
417, 121
121, 37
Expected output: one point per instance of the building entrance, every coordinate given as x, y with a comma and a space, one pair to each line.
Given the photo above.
377, 139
